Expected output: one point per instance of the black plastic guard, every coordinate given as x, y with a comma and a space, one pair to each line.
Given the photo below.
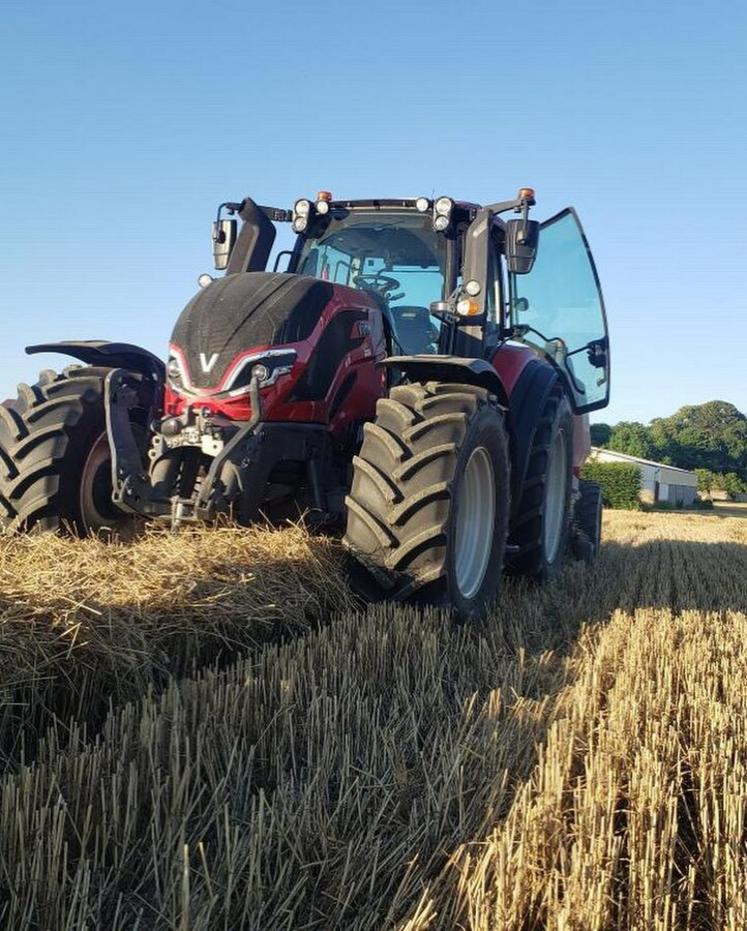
451, 368
111, 355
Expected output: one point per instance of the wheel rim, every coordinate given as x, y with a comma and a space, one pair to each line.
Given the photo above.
475, 522
97, 509
555, 496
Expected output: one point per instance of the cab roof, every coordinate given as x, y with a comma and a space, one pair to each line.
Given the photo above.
382, 203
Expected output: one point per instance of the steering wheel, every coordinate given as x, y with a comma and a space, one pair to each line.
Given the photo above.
376, 282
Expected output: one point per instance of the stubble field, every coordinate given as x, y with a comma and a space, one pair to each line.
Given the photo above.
205, 732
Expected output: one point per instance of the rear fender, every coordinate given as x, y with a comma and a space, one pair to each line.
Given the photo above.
111, 355
528, 398
451, 368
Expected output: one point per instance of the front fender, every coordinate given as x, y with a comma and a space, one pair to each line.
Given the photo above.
111, 355
451, 368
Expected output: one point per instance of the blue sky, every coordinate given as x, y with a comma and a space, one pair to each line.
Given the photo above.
123, 126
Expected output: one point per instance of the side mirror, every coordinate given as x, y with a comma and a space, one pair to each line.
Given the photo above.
522, 238
224, 238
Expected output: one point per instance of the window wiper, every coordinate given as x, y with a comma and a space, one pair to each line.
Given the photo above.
520, 330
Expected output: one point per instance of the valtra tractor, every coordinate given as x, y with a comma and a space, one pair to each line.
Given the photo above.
419, 375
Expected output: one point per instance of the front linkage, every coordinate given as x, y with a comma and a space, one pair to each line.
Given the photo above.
242, 457
163, 493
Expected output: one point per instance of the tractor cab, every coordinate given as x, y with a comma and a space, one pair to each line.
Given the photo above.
393, 254
407, 253
450, 277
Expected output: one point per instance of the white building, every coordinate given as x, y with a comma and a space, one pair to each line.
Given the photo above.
659, 482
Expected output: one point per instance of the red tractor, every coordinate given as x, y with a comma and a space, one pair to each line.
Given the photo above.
420, 374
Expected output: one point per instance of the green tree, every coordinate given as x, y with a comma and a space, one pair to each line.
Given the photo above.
632, 438
734, 485
600, 434
719, 481
703, 436
706, 480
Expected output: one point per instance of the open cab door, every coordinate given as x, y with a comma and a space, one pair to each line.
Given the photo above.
558, 308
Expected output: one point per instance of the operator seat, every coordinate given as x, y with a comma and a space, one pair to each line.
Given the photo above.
413, 329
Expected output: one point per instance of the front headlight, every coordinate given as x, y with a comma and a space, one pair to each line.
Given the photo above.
174, 369
261, 372
267, 366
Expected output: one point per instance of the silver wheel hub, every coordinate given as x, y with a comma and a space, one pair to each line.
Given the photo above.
96, 507
475, 522
556, 492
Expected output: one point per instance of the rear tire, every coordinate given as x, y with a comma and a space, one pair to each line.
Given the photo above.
55, 466
429, 502
540, 529
587, 536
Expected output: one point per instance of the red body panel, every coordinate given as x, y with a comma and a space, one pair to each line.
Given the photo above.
510, 361
360, 402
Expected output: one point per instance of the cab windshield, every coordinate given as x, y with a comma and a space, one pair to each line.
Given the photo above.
394, 255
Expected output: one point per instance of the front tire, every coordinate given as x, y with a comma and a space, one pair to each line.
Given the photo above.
429, 502
55, 466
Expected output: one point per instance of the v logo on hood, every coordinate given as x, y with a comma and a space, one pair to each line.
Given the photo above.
207, 364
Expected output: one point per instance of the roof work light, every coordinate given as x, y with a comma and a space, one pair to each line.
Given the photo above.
323, 199
301, 213
442, 209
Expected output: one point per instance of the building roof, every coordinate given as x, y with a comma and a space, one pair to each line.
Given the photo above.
638, 459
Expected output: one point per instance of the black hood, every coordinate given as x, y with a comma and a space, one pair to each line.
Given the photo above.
238, 312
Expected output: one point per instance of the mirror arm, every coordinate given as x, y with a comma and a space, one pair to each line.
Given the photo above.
524, 211
520, 204
277, 214
230, 208
504, 206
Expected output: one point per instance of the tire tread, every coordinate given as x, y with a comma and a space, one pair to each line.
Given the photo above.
525, 535
36, 433
413, 447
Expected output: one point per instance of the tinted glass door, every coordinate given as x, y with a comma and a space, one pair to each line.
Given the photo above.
560, 310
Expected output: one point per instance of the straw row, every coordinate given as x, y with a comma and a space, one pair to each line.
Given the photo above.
578, 762
84, 625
